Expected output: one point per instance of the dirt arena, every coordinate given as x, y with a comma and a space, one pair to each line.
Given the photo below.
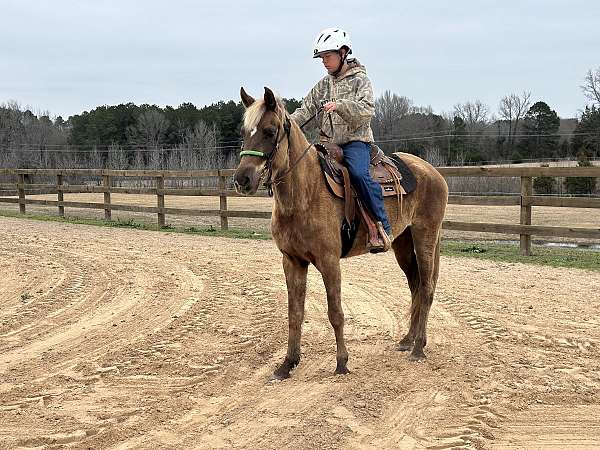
127, 339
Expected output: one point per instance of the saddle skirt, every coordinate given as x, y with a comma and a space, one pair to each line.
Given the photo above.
383, 170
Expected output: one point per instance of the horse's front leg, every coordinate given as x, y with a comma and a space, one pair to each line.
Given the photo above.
295, 277
332, 278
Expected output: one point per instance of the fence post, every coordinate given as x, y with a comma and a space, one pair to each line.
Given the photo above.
160, 186
61, 196
21, 189
526, 191
223, 202
106, 182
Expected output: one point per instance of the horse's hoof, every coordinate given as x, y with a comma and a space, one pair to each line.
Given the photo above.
417, 356
278, 377
341, 370
404, 347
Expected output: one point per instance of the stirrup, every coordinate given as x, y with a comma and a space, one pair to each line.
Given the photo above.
384, 243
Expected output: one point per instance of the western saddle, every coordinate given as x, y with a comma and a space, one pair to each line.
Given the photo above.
383, 171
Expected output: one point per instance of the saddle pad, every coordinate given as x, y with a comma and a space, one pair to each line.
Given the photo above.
408, 182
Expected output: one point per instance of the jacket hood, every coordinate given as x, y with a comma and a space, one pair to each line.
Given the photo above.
354, 67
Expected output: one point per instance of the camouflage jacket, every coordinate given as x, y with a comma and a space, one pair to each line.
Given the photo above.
353, 95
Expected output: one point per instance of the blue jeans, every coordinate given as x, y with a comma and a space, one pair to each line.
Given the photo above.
357, 155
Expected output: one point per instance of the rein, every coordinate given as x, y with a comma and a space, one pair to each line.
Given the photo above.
311, 118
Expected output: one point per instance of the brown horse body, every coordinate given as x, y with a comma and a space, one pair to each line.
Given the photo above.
306, 224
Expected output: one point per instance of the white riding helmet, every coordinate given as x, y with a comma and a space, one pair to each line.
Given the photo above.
331, 40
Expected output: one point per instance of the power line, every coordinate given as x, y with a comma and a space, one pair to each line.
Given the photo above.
107, 148
119, 146
432, 135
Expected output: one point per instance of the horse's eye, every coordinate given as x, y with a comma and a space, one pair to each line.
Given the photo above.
269, 132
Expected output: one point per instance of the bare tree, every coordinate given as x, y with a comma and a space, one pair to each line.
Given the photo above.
117, 157
512, 109
389, 109
174, 158
474, 114
11, 125
396, 118
149, 132
434, 156
591, 86
95, 159
150, 129
201, 143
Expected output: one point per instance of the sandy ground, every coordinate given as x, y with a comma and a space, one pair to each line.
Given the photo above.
127, 339
573, 217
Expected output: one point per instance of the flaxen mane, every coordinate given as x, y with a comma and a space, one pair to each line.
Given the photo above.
254, 113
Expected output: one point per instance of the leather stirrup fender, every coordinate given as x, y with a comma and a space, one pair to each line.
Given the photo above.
348, 197
373, 240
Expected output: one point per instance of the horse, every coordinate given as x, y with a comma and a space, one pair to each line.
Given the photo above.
306, 221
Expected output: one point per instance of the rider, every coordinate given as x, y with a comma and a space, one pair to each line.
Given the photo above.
346, 95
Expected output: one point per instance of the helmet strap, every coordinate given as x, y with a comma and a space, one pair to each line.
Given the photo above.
342, 61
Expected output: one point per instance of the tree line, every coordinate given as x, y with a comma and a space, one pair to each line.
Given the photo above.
187, 137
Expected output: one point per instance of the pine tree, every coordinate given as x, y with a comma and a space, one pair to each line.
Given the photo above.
586, 136
540, 125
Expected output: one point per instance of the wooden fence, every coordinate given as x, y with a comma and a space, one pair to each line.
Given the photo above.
526, 200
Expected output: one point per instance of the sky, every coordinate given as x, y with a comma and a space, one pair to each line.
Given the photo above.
66, 57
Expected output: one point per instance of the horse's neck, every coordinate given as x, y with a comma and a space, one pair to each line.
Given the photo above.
298, 188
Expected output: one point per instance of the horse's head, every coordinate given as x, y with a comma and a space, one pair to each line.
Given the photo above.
265, 127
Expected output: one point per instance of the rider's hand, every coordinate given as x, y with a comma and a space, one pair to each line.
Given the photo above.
329, 106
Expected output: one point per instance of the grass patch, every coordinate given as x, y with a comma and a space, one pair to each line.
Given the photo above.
543, 256
117, 224
238, 233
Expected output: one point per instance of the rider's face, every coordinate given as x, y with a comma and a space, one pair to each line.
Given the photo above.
331, 61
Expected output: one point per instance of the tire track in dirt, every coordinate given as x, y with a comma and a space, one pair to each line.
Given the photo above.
477, 419
63, 349
163, 342
552, 427
499, 356
25, 281
58, 310
28, 286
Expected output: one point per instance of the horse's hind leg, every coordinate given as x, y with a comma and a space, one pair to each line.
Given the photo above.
407, 260
295, 277
332, 278
427, 249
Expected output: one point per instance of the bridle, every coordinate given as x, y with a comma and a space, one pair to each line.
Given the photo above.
268, 170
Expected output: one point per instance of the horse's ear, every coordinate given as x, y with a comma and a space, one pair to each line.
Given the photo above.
270, 101
246, 99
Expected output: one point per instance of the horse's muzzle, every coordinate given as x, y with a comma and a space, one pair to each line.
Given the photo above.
246, 180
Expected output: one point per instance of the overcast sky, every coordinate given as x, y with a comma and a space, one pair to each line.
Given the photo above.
69, 56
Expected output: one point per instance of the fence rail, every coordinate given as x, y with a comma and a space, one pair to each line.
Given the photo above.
526, 200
